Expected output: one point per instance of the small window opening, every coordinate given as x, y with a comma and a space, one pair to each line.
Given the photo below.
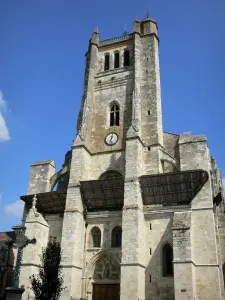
146, 71
126, 58
147, 58
106, 67
167, 260
117, 60
116, 237
150, 278
150, 251
149, 148
148, 112
150, 226
95, 238
115, 115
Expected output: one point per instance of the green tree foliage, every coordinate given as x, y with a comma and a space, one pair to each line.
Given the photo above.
48, 283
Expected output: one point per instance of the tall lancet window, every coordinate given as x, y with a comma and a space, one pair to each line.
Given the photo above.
126, 61
116, 237
116, 60
106, 66
95, 238
167, 260
115, 115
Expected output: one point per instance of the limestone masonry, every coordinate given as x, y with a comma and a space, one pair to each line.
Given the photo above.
139, 212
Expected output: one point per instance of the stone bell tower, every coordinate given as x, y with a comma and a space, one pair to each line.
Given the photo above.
125, 71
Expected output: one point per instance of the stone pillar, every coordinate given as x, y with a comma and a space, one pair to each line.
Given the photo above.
184, 283
85, 116
40, 174
133, 226
74, 225
194, 154
36, 227
39, 181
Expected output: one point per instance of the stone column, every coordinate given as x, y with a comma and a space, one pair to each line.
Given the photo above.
74, 225
184, 283
39, 181
36, 227
194, 154
133, 226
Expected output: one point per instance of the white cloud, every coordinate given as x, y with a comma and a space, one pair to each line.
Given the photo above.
4, 132
14, 209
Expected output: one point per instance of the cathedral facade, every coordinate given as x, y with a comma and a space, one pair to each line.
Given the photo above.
138, 211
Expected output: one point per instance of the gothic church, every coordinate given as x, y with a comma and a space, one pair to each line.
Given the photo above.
138, 211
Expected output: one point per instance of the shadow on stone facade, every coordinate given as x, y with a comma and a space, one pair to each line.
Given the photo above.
117, 164
157, 286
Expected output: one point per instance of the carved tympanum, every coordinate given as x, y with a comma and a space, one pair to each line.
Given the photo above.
106, 269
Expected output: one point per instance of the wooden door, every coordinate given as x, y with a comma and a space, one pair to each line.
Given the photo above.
106, 292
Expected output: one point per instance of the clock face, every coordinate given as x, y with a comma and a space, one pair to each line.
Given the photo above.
111, 139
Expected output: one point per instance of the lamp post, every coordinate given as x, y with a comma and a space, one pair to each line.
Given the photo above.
21, 242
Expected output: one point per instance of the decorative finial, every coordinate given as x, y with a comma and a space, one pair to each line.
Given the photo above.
34, 201
136, 18
96, 30
147, 16
125, 30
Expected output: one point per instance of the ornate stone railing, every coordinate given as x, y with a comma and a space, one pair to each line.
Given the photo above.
117, 39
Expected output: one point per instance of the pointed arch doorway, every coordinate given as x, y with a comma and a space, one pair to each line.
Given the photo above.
105, 277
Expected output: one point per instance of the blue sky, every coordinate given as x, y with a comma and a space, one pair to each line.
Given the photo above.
42, 50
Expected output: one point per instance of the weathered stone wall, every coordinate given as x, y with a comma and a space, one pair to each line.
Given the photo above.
101, 163
40, 174
158, 232
170, 143
194, 154
55, 223
151, 114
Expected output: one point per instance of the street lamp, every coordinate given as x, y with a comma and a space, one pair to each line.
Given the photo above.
21, 242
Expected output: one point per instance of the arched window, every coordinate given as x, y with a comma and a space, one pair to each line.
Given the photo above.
126, 61
116, 239
167, 260
116, 60
115, 115
110, 175
95, 238
106, 67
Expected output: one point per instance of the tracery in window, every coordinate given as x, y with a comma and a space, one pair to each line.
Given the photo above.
106, 66
95, 238
126, 61
116, 60
114, 115
167, 260
116, 239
